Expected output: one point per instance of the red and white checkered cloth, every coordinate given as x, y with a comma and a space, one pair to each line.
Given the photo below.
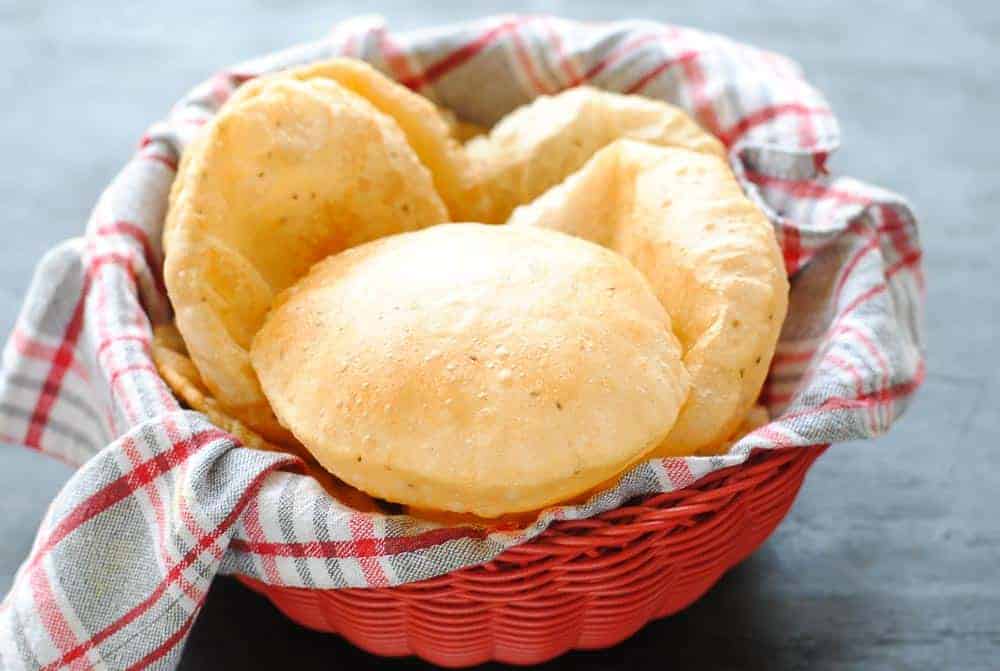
164, 501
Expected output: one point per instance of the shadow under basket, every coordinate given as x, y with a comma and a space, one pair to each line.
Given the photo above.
584, 584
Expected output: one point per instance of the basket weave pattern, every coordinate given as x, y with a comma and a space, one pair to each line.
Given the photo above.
583, 584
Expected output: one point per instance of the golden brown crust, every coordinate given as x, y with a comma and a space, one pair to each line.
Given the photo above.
710, 255
473, 369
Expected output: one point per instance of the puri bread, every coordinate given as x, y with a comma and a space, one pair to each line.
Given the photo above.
182, 377
537, 146
430, 133
177, 370
708, 252
471, 368
287, 173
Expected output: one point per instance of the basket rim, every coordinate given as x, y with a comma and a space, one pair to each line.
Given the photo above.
658, 514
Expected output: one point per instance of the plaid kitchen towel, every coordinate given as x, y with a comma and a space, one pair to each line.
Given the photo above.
163, 501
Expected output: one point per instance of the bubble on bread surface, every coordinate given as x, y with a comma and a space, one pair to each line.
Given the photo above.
471, 438
709, 254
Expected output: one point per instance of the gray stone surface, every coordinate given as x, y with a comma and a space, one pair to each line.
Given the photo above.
888, 563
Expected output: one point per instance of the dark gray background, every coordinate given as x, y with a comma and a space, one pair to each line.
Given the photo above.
888, 562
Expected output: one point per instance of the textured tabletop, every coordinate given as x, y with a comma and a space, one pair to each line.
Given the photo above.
893, 563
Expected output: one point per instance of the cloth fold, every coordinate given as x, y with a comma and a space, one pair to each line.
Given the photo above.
164, 501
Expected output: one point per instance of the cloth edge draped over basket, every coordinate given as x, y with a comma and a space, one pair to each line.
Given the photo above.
164, 501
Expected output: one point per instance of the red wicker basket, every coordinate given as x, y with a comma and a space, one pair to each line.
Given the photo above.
582, 584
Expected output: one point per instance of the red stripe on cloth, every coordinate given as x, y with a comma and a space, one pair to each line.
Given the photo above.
657, 70
163, 159
771, 433
896, 229
108, 341
393, 56
565, 63
49, 610
123, 396
819, 162
363, 532
751, 121
192, 591
791, 249
138, 234
703, 108
856, 378
892, 394
848, 268
62, 361
614, 56
875, 353
114, 371
159, 518
806, 188
122, 261
908, 261
903, 241
192, 526
145, 367
838, 325
850, 369
459, 57
64, 357
251, 521
807, 131
679, 473
808, 139
867, 343
28, 347
351, 549
123, 487
168, 644
861, 299
525, 59
172, 574
101, 315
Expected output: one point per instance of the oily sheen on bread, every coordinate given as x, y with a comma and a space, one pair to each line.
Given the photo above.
287, 173
708, 252
473, 369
